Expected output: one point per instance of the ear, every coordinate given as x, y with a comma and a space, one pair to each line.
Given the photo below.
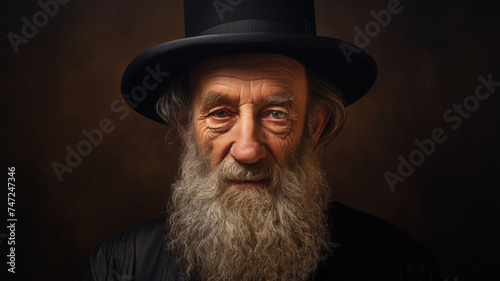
184, 134
319, 121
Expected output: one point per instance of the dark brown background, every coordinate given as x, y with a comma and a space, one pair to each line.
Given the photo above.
65, 79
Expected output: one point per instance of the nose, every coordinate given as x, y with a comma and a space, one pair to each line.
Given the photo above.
248, 146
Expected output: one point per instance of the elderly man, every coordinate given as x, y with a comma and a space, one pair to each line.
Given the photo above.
255, 98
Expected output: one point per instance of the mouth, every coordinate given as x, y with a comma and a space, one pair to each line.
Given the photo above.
244, 184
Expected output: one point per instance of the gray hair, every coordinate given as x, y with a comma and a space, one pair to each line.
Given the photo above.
324, 95
174, 106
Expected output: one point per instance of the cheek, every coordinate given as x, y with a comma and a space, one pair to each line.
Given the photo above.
219, 148
204, 137
214, 146
280, 148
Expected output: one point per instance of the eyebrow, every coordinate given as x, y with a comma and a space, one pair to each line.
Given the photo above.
212, 99
281, 99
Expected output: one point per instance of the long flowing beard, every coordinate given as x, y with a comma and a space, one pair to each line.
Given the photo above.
219, 232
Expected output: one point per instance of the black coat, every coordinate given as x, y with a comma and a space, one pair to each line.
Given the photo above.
361, 247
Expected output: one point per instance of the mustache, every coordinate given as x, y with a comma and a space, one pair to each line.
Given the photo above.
263, 170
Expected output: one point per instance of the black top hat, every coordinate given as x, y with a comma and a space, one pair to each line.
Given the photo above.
222, 27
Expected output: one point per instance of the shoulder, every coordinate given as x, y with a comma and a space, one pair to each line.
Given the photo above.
351, 224
369, 246
131, 253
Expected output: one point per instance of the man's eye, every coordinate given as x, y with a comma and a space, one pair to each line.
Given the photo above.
221, 113
276, 114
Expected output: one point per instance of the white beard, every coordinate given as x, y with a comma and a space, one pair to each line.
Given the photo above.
219, 232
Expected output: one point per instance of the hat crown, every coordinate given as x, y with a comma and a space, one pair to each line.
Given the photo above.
205, 17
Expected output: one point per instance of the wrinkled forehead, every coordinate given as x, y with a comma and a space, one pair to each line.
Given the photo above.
250, 66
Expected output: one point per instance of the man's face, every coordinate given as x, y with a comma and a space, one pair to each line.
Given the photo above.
248, 107
251, 197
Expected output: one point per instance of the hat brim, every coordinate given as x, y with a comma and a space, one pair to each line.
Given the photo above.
344, 65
